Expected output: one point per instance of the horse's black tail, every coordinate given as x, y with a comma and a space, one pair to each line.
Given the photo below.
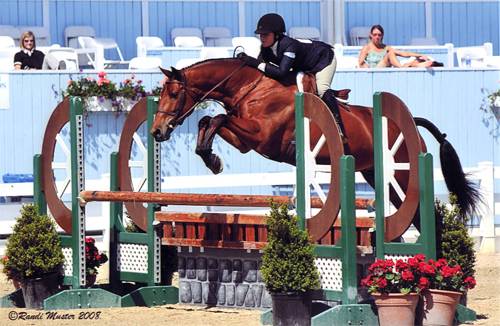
467, 193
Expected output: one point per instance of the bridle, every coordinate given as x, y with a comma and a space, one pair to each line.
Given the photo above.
192, 93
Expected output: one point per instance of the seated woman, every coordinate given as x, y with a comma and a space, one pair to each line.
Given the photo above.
29, 57
378, 55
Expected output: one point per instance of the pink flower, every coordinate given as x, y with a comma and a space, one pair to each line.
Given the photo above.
101, 74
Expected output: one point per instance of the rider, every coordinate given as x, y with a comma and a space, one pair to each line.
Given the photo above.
279, 54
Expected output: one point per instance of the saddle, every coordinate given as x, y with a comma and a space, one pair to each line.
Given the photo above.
309, 84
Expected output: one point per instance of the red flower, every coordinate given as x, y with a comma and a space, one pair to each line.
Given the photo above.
413, 262
407, 275
426, 268
423, 283
367, 281
382, 282
401, 265
470, 282
420, 257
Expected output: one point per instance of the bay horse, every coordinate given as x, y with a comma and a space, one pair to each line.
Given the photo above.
260, 117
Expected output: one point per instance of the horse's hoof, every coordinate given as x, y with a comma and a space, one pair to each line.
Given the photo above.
215, 164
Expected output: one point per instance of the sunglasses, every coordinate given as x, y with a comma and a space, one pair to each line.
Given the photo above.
28, 41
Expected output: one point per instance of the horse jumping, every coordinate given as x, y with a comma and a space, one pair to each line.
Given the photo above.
260, 117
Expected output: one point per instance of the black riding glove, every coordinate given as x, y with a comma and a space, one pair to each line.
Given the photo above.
248, 60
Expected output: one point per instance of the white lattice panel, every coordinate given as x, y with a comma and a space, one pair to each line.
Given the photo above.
398, 257
68, 261
133, 258
330, 273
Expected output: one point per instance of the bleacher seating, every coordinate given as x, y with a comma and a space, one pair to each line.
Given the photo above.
185, 31
304, 32
217, 36
147, 42
188, 42
359, 35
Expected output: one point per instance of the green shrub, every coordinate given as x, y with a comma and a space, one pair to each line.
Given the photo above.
34, 248
288, 259
455, 244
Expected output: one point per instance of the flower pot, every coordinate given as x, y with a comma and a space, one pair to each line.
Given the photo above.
90, 280
439, 306
396, 308
99, 103
38, 289
291, 309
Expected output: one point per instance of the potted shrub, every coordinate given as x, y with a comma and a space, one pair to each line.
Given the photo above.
34, 256
93, 260
288, 268
447, 282
395, 287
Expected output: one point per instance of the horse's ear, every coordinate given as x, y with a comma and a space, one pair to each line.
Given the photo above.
166, 72
176, 74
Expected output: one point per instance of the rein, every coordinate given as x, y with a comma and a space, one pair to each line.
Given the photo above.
188, 112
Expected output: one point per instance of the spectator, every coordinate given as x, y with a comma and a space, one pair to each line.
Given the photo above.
378, 55
29, 57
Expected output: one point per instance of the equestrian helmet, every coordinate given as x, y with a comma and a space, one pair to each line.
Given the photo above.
270, 23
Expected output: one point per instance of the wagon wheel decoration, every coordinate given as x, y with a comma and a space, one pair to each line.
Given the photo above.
401, 146
58, 119
136, 117
322, 159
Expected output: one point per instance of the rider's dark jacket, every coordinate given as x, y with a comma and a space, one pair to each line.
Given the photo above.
294, 55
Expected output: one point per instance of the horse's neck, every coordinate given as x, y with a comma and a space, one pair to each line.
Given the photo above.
220, 80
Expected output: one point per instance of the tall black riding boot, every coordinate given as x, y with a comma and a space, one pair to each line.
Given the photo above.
330, 100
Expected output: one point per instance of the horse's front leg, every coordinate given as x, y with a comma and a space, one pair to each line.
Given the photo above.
207, 129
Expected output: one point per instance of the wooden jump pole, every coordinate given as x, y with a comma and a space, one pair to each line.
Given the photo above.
200, 199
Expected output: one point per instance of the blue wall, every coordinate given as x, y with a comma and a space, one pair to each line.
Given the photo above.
458, 22
21, 12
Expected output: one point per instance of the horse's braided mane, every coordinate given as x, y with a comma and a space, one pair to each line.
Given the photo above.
199, 63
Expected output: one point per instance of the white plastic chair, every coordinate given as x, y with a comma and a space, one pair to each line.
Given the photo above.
309, 33
214, 53
144, 63
66, 55
359, 35
188, 42
7, 42
71, 34
423, 41
217, 36
251, 45
147, 42
185, 31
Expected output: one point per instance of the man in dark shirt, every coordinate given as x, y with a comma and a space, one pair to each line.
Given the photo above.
29, 57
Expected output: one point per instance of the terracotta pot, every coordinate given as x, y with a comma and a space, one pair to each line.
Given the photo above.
396, 308
439, 307
90, 280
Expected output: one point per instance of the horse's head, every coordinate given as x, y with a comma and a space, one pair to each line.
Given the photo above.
176, 102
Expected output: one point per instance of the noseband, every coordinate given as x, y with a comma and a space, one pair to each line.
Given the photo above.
192, 93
